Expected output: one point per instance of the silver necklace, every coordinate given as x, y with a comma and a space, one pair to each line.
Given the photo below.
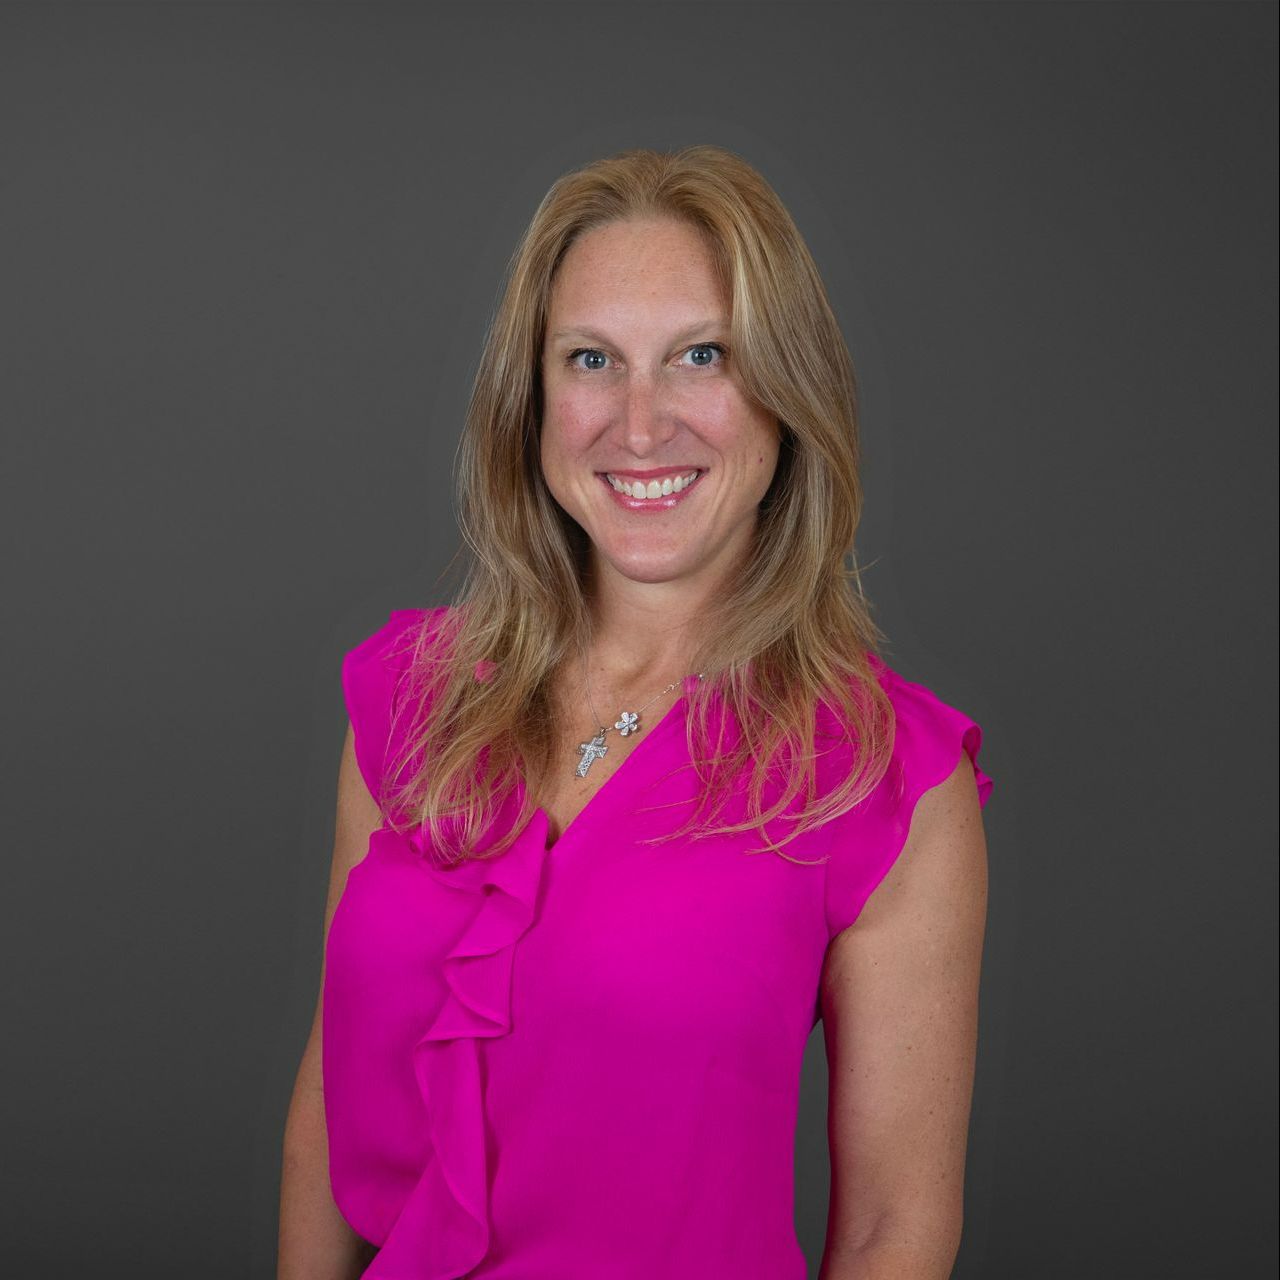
628, 722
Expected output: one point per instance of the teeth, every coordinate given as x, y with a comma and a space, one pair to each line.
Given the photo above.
653, 488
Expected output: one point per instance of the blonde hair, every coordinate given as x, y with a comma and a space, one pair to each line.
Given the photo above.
794, 629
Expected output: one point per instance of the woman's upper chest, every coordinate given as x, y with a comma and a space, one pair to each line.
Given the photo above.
564, 793
585, 760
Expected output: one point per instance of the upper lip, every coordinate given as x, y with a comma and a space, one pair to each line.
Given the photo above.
651, 472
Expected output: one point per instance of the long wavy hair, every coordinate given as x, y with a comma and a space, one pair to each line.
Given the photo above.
793, 630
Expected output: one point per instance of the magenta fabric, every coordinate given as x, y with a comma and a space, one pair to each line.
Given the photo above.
583, 1062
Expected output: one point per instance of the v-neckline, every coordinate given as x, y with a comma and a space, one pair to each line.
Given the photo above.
608, 784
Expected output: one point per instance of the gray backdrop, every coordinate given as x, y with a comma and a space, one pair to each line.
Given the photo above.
248, 257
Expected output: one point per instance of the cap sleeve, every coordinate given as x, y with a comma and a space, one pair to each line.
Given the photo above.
930, 739
371, 675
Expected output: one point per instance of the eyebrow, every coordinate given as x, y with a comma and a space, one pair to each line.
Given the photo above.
583, 331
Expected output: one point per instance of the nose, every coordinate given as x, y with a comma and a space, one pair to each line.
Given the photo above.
647, 420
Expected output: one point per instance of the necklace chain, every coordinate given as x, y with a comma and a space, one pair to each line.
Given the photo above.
628, 722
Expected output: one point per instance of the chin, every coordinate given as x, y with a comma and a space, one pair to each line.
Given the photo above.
650, 571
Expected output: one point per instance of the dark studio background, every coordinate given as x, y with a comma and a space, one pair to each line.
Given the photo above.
249, 253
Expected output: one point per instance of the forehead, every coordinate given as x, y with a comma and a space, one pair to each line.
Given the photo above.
624, 270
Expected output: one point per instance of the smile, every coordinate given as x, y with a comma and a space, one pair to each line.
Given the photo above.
653, 493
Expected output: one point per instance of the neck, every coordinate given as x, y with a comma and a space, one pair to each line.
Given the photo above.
643, 633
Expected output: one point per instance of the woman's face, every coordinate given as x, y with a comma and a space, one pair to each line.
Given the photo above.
639, 388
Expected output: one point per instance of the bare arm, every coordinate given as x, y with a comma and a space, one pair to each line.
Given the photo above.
315, 1242
900, 1014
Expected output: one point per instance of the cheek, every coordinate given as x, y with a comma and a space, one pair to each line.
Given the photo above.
761, 456
572, 419
739, 430
720, 414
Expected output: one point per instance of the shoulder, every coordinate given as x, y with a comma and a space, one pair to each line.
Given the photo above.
930, 736
399, 634
374, 684
381, 659
931, 791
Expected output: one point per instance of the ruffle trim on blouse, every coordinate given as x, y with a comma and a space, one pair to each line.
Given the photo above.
931, 737
443, 1230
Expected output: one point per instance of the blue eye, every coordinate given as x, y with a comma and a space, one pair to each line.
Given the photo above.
598, 355
707, 346
585, 351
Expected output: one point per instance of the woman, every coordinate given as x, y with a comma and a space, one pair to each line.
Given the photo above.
566, 992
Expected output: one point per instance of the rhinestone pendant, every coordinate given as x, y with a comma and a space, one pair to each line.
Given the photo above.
590, 752
628, 723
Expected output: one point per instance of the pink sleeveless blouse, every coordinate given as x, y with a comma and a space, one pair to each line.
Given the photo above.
582, 1061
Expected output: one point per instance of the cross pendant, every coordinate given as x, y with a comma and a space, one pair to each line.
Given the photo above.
590, 752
